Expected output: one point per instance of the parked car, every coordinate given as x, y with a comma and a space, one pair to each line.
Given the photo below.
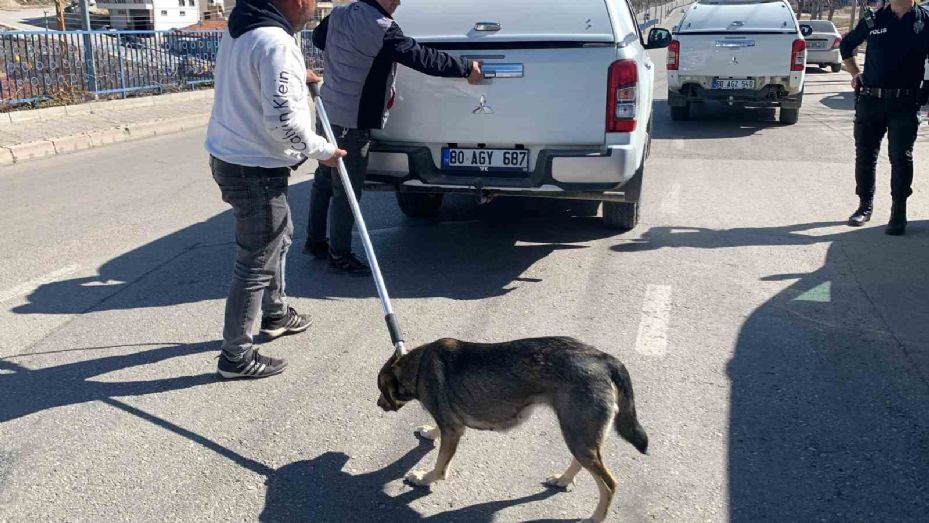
565, 110
132, 41
737, 52
822, 44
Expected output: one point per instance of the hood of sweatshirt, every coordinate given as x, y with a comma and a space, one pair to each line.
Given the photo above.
252, 14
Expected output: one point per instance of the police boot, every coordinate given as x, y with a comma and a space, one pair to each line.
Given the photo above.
863, 214
897, 225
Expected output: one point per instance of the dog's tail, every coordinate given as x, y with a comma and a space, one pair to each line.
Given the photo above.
627, 423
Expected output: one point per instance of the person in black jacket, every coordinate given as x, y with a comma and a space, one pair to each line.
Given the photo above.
888, 100
362, 45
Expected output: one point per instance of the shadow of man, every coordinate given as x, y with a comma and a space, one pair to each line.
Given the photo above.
26, 391
829, 414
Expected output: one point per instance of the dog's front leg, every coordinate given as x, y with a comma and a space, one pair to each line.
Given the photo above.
428, 432
447, 447
566, 480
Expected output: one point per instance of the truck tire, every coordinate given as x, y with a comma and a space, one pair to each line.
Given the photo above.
789, 116
680, 114
419, 205
621, 215
625, 215
836, 68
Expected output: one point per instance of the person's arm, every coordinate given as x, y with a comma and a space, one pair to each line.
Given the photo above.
849, 47
283, 88
407, 51
319, 34
924, 92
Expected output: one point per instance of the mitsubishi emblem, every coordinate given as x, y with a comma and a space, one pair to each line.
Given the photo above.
483, 108
735, 61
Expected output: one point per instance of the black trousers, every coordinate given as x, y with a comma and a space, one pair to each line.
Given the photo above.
899, 120
328, 199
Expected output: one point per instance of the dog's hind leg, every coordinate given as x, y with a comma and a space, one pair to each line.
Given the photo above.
605, 483
447, 448
566, 480
583, 425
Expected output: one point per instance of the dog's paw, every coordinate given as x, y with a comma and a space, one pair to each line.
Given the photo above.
560, 483
427, 432
419, 478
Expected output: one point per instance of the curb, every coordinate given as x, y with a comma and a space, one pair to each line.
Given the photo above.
17, 154
52, 113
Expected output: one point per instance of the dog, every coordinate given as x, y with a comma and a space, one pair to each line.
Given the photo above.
495, 386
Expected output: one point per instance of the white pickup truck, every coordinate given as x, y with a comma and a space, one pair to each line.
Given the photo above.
740, 52
565, 110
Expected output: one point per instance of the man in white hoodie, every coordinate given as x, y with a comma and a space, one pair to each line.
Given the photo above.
260, 130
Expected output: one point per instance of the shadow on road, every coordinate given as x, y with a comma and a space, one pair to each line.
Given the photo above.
712, 121
313, 490
844, 101
27, 391
320, 490
829, 414
479, 251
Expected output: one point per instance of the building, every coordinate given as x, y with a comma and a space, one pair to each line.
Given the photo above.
147, 15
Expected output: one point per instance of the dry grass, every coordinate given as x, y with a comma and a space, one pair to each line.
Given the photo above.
841, 19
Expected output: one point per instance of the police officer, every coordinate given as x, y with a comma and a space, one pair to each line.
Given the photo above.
888, 101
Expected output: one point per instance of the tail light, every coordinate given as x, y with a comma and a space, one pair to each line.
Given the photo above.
798, 55
674, 55
622, 97
837, 42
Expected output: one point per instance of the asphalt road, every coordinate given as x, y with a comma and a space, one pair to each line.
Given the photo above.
780, 359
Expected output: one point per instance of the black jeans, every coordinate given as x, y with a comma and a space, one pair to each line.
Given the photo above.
263, 234
328, 200
899, 119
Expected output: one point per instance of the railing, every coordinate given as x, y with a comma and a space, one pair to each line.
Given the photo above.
75, 66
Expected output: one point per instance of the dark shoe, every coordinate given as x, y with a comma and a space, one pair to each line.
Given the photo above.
349, 264
897, 225
289, 323
318, 250
862, 215
253, 366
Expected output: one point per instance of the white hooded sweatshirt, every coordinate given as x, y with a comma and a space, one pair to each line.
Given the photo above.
261, 115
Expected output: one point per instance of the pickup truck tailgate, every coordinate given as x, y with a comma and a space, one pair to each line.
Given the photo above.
547, 95
734, 55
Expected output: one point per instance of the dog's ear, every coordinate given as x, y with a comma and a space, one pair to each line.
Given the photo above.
400, 392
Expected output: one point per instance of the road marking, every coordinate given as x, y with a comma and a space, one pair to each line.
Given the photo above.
30, 286
652, 339
672, 201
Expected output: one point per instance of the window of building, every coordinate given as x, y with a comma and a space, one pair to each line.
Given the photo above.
190, 3
183, 13
164, 13
180, 3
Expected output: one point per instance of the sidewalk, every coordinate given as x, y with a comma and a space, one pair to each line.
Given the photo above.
40, 133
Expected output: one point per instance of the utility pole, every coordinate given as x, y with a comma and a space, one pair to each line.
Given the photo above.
89, 65
60, 14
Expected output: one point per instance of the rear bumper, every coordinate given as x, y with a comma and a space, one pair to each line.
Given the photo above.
410, 167
770, 95
828, 57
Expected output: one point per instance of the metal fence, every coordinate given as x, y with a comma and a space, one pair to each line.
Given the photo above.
74, 66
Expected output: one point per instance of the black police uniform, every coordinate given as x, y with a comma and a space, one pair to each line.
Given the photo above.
888, 103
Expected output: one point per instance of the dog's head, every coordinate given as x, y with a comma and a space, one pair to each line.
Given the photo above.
394, 395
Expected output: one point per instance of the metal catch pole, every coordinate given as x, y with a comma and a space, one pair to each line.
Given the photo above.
393, 326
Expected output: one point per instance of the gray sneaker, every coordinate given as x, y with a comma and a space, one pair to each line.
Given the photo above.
289, 323
253, 366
